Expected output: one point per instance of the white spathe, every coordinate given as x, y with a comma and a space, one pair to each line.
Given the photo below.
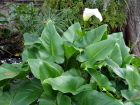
90, 12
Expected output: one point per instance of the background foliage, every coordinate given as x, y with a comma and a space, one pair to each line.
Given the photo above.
113, 12
65, 13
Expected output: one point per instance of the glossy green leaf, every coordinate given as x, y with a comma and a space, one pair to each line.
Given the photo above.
49, 70
25, 69
5, 99
120, 40
97, 51
9, 71
115, 67
53, 43
101, 80
85, 87
129, 103
66, 83
46, 100
73, 33
132, 77
129, 73
35, 51
136, 62
94, 97
22, 96
69, 50
63, 99
132, 96
29, 39
128, 60
116, 55
34, 66
43, 69
92, 36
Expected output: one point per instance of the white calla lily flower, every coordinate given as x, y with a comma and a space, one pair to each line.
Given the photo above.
90, 12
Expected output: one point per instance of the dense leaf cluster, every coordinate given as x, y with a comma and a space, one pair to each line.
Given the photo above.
76, 68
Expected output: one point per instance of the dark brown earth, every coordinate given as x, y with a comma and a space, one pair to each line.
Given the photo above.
11, 46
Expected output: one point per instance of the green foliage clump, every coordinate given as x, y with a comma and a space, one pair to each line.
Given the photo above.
77, 68
115, 15
5, 30
25, 18
113, 12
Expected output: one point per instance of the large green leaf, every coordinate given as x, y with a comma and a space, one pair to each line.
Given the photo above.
101, 80
130, 74
43, 69
5, 99
132, 77
50, 70
132, 96
29, 39
66, 84
69, 50
136, 62
73, 33
95, 98
115, 67
22, 96
47, 100
116, 55
92, 36
35, 51
97, 51
53, 43
69, 82
63, 99
9, 71
34, 66
120, 41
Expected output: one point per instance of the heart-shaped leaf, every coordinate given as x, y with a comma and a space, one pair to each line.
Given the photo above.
73, 33
115, 67
94, 97
69, 82
120, 40
132, 96
101, 80
97, 51
63, 99
47, 100
116, 55
43, 69
132, 77
92, 36
9, 71
22, 96
53, 43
